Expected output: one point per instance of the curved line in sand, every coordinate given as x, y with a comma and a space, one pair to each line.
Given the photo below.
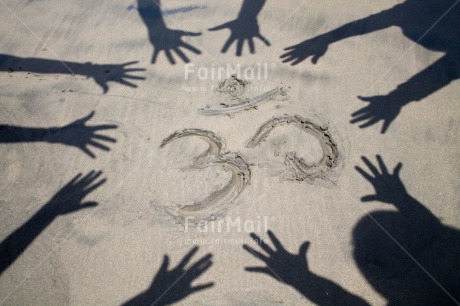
296, 166
219, 201
244, 104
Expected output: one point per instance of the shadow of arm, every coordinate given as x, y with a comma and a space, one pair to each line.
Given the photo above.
317, 46
38, 65
429, 80
76, 134
100, 73
16, 243
16, 134
418, 87
292, 270
150, 13
390, 189
67, 200
322, 291
251, 8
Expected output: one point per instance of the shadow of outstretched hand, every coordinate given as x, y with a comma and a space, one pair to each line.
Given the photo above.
315, 47
78, 134
169, 41
171, 286
280, 264
406, 254
118, 73
100, 73
380, 108
244, 28
241, 30
69, 198
292, 270
161, 37
388, 187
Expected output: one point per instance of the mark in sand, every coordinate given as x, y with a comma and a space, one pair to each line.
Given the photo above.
236, 88
218, 202
297, 169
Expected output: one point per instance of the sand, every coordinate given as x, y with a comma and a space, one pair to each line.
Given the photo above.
108, 254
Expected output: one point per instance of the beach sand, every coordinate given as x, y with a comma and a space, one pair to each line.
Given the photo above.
106, 255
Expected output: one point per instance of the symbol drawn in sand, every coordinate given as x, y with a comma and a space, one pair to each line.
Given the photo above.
236, 88
219, 201
233, 86
297, 169
244, 104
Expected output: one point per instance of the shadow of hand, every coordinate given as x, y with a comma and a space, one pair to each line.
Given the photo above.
388, 187
315, 47
79, 135
242, 28
69, 198
283, 266
171, 286
118, 73
168, 40
293, 270
379, 108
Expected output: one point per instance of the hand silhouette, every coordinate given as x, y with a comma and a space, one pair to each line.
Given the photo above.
162, 38
245, 27
79, 135
283, 266
241, 29
379, 108
69, 198
169, 287
315, 47
101, 73
388, 187
119, 73
171, 40
292, 269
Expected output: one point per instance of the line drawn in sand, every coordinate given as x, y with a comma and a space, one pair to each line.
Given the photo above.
219, 202
297, 169
236, 88
216, 204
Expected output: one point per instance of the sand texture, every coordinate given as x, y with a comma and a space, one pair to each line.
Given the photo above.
193, 140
